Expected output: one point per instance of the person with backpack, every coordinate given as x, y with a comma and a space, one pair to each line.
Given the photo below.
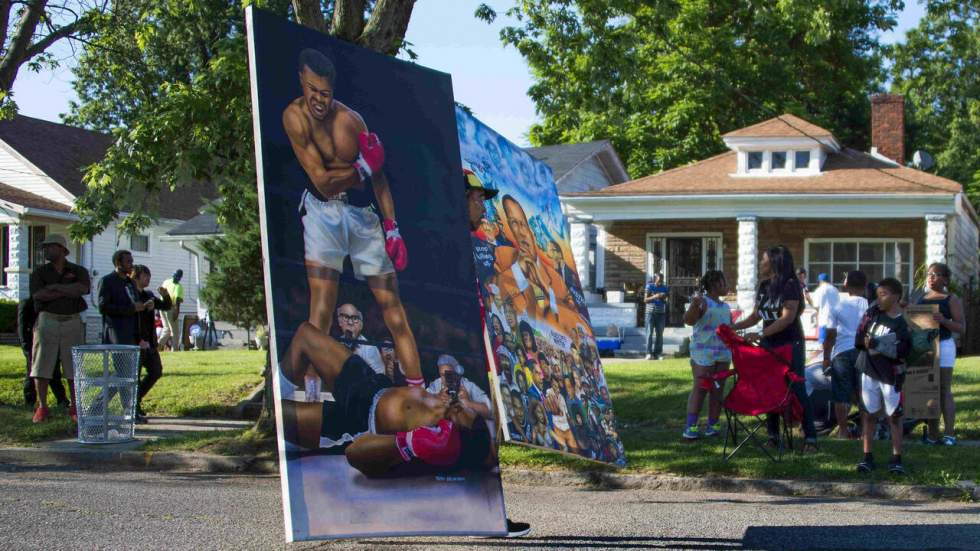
884, 339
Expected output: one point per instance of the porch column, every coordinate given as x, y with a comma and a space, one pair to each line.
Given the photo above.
579, 239
18, 275
600, 255
748, 252
935, 238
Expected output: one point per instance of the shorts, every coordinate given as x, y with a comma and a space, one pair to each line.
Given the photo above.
708, 356
844, 376
876, 394
54, 337
356, 391
947, 353
334, 230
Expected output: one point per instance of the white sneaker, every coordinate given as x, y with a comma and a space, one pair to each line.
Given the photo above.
649, 357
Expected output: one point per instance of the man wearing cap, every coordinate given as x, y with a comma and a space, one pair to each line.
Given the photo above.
476, 195
171, 329
57, 288
470, 395
825, 298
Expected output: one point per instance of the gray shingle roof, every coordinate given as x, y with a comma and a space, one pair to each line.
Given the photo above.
563, 158
202, 224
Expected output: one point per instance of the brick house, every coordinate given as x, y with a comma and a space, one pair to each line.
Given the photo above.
783, 181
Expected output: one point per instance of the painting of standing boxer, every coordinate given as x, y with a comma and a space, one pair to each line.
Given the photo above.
369, 290
549, 378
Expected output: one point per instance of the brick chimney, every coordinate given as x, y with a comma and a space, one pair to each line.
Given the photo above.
888, 126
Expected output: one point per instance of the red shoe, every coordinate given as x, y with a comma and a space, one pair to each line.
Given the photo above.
40, 414
73, 413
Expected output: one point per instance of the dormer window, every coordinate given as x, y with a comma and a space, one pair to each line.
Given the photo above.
779, 160
802, 160
755, 160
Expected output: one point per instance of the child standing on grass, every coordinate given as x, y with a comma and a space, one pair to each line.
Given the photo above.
884, 336
709, 355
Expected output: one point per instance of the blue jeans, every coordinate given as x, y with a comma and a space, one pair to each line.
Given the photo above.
799, 389
655, 322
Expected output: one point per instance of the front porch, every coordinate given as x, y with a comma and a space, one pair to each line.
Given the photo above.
883, 236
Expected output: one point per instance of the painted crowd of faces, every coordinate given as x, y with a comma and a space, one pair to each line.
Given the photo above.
551, 381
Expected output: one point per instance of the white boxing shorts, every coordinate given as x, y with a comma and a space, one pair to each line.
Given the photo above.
333, 230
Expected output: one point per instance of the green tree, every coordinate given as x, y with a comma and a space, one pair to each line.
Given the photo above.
663, 79
169, 79
937, 69
28, 30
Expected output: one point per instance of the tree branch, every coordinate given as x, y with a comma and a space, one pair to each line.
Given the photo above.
385, 30
5, 6
14, 56
308, 14
348, 19
54, 36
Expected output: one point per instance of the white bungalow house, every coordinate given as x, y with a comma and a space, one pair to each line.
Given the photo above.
41, 168
783, 181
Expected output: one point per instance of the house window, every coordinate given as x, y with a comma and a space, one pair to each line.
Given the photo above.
778, 160
754, 161
877, 258
139, 243
802, 160
4, 253
36, 256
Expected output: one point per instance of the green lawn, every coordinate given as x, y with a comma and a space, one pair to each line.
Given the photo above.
194, 384
650, 399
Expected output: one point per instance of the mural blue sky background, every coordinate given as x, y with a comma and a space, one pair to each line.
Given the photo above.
445, 35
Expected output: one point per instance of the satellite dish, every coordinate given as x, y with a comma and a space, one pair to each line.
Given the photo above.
922, 160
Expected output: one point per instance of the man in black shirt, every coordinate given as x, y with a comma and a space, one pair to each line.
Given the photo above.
118, 302
57, 289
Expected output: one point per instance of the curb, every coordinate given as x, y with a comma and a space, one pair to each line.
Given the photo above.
210, 463
137, 460
614, 481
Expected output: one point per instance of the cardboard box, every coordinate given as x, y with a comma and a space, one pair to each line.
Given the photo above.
921, 390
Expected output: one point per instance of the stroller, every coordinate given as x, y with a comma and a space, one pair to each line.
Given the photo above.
762, 386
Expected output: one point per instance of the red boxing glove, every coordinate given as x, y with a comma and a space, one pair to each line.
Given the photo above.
371, 157
395, 245
438, 445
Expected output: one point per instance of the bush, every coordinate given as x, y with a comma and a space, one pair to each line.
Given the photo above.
8, 316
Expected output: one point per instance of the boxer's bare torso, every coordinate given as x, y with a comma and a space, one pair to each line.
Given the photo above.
325, 147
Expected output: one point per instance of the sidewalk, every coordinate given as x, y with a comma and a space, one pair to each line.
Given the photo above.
70, 454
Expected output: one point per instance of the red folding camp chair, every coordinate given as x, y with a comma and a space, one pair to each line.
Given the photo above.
762, 386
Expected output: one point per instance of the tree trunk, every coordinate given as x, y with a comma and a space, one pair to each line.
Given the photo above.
20, 44
348, 19
308, 14
385, 31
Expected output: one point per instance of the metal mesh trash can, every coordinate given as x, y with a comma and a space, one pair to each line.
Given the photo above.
106, 382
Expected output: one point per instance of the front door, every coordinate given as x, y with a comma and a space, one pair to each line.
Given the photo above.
683, 270
682, 260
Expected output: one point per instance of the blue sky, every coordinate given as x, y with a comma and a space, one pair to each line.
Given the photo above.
490, 79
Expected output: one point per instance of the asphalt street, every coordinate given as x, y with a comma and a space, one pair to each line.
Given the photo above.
64, 508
